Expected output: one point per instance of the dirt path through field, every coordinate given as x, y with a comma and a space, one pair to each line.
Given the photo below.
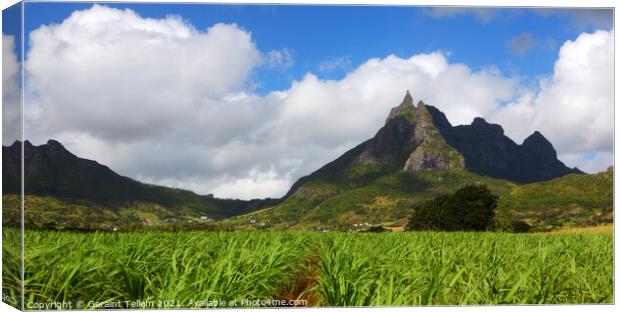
302, 287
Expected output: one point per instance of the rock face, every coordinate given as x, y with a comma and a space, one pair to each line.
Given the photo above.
488, 151
409, 137
431, 150
392, 143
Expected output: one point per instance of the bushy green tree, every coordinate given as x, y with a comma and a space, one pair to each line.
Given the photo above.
471, 208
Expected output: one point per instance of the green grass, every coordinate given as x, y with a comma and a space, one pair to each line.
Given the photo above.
151, 266
465, 268
339, 269
11, 264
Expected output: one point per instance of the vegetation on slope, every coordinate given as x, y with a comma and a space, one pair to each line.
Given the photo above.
572, 200
373, 195
352, 199
366, 197
47, 212
51, 171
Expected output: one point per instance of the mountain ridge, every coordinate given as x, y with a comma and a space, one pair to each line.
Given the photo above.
488, 151
51, 170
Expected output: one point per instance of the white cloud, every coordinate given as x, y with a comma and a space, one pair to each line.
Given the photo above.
574, 107
104, 66
599, 161
11, 109
332, 113
160, 101
280, 59
333, 64
257, 182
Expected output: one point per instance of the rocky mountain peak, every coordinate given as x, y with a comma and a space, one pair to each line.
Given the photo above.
431, 150
55, 144
488, 151
536, 143
482, 125
411, 141
55, 149
408, 100
536, 138
404, 109
479, 121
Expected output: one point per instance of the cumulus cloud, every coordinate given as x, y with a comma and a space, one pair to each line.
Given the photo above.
332, 113
144, 76
162, 102
11, 95
574, 106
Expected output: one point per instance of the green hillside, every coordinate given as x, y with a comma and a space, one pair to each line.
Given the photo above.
47, 212
366, 198
359, 197
64, 191
572, 200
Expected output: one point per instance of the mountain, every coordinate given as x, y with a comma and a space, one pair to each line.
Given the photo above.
409, 141
409, 134
51, 171
421, 139
416, 155
487, 151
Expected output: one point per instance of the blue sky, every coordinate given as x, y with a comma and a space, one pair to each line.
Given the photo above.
349, 35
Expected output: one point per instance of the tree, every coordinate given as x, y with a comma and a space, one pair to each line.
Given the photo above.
471, 208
